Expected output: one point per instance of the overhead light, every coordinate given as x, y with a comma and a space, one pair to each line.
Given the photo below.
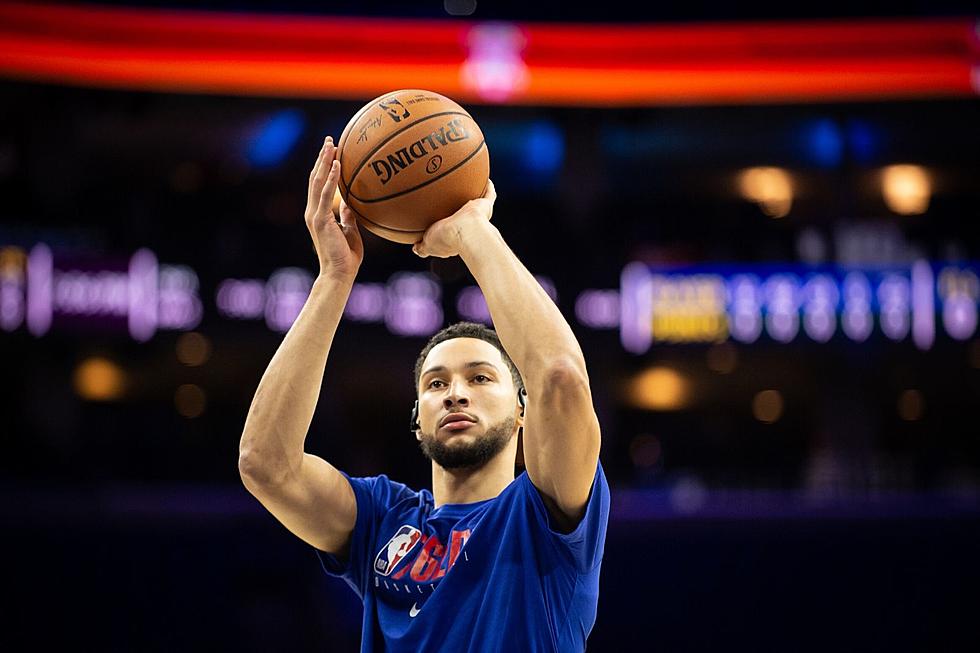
767, 406
99, 379
193, 349
770, 188
906, 189
190, 400
660, 388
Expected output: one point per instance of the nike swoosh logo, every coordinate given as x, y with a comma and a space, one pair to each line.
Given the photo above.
414, 611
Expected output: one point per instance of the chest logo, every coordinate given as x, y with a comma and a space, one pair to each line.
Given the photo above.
396, 549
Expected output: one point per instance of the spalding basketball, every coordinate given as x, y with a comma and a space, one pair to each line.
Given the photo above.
409, 158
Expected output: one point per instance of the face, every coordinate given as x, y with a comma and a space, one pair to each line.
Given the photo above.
468, 410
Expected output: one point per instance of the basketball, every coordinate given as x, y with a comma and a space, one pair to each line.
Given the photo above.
408, 159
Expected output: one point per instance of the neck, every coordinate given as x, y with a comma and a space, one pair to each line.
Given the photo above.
469, 485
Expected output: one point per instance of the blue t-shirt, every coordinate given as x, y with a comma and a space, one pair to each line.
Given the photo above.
472, 578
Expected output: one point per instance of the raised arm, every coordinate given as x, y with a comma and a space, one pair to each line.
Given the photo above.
304, 492
561, 431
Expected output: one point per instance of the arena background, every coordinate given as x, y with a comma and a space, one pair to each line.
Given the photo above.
759, 221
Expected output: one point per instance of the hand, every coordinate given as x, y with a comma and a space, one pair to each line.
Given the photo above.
444, 238
338, 244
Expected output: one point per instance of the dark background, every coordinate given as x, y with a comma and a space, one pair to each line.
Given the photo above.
840, 526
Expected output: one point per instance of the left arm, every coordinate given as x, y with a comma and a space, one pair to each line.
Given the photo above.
561, 431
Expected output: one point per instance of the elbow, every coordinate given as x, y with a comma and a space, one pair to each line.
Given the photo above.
563, 388
257, 471
565, 377
249, 469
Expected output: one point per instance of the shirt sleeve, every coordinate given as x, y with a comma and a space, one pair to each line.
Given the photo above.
584, 545
374, 495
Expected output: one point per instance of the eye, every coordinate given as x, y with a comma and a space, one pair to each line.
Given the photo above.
433, 382
481, 378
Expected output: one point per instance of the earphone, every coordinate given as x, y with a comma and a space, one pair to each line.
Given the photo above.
414, 424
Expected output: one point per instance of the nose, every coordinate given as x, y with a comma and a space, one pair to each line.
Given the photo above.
456, 395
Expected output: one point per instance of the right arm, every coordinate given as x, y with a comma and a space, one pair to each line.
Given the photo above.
304, 492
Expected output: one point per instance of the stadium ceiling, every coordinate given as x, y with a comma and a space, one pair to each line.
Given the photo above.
573, 64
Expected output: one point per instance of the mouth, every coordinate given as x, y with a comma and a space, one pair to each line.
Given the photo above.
456, 422
461, 425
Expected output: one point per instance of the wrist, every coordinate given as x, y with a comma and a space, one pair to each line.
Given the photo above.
335, 280
475, 236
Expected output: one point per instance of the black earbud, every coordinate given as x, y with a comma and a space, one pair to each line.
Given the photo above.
414, 423
415, 418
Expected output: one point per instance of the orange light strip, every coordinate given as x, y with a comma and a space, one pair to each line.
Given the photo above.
606, 65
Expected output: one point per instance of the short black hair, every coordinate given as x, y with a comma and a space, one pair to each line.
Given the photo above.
468, 330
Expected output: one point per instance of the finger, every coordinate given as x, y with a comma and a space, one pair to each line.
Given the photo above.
311, 196
319, 175
490, 193
319, 158
309, 190
491, 196
325, 207
347, 219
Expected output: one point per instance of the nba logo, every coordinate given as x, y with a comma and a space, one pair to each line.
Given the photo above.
395, 109
397, 548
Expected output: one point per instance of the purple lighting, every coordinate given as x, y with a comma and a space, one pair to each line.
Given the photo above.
960, 317
820, 307
367, 303
40, 307
91, 293
413, 304
746, 323
143, 295
548, 286
894, 300
857, 320
636, 308
179, 306
286, 294
782, 318
472, 305
11, 295
959, 290
598, 309
241, 299
923, 305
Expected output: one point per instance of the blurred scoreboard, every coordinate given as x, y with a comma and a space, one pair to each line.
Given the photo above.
43, 290
787, 303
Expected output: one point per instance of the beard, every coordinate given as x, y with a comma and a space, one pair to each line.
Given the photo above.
475, 454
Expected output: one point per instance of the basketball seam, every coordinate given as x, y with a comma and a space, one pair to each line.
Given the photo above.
381, 226
392, 135
424, 183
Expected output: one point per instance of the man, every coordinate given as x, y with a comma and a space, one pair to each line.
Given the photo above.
485, 562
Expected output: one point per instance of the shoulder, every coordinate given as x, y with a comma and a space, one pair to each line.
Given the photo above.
382, 492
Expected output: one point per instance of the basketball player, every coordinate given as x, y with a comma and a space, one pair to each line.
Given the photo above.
485, 561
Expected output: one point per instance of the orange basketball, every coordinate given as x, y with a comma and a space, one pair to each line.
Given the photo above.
409, 158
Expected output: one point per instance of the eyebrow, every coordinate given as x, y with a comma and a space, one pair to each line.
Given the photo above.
442, 368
